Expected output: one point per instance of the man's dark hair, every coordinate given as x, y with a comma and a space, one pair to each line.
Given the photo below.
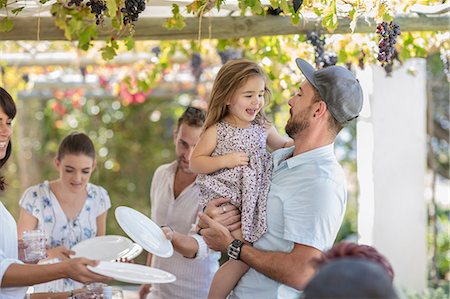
193, 117
350, 278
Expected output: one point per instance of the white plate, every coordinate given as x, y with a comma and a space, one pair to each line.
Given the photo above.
107, 248
132, 273
144, 231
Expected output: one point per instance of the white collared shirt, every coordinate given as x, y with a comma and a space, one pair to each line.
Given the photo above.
8, 252
194, 276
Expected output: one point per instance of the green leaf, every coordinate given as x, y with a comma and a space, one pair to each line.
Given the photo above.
111, 5
177, 20
108, 53
6, 24
383, 13
274, 3
129, 42
43, 1
86, 36
295, 19
116, 23
3, 3
17, 10
284, 5
354, 17
330, 22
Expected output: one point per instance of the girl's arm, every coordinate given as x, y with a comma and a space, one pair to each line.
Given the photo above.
201, 160
276, 141
29, 222
26, 222
101, 224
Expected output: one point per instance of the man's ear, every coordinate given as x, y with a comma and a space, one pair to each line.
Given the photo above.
175, 133
321, 109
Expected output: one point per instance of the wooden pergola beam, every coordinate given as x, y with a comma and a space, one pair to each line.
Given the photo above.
225, 27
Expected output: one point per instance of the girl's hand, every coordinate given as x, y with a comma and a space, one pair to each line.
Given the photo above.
236, 159
60, 252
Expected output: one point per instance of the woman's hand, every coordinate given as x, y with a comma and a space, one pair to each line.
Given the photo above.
60, 252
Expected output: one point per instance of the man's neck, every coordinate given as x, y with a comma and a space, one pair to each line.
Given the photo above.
181, 181
309, 140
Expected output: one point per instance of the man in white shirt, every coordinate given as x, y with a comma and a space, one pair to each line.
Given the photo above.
174, 204
307, 198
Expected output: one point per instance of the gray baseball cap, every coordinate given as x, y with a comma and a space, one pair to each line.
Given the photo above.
338, 87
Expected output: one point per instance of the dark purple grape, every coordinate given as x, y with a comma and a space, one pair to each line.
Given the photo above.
196, 64
229, 54
322, 58
77, 3
97, 8
132, 10
387, 53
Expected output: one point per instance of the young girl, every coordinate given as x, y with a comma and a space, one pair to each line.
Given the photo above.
68, 209
231, 156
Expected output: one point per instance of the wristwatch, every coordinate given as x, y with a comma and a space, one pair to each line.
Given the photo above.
234, 249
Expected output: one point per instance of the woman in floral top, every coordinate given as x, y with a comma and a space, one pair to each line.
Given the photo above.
68, 209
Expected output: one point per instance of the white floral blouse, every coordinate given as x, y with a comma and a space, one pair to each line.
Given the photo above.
40, 201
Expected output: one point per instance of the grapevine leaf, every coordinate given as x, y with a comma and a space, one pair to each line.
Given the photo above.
129, 42
354, 21
177, 20
297, 4
111, 5
108, 53
17, 10
6, 24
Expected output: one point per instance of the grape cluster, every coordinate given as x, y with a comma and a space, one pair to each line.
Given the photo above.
229, 54
132, 10
196, 65
97, 8
274, 11
388, 33
322, 58
156, 50
77, 3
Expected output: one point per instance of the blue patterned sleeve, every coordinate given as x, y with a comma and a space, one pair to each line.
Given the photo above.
104, 202
30, 201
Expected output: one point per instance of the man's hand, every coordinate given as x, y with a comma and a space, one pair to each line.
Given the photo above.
233, 160
216, 236
77, 270
226, 214
168, 232
144, 290
60, 252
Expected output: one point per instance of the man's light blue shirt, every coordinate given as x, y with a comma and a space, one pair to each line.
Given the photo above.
305, 205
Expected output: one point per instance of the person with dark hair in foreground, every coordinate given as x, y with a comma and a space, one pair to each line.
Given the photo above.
352, 250
355, 278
